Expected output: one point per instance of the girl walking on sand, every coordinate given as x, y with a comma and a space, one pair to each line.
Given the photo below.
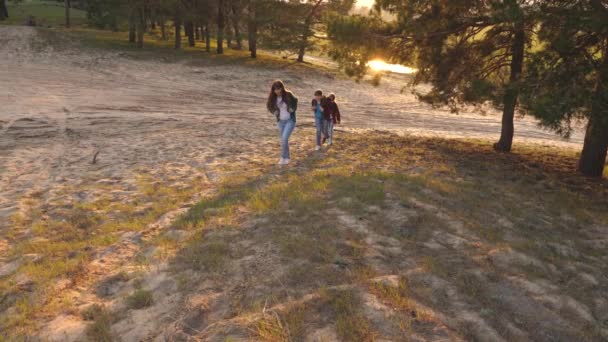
283, 104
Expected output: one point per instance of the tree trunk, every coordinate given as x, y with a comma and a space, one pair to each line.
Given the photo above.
67, 13
163, 29
153, 19
178, 32
3, 10
595, 147
189, 28
237, 30
220, 27
141, 27
307, 31
207, 39
512, 91
252, 28
131, 27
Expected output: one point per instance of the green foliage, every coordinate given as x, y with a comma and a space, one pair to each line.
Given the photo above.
106, 13
564, 75
353, 43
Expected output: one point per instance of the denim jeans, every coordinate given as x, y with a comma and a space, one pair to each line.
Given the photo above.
328, 128
320, 129
285, 129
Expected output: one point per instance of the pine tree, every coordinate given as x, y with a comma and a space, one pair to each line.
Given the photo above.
470, 51
3, 10
568, 77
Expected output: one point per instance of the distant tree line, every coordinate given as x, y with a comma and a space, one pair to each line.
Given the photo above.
546, 58
292, 26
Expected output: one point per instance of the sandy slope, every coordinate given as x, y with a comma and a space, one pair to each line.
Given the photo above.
60, 107
174, 121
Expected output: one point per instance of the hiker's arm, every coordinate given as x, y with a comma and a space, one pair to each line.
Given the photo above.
294, 105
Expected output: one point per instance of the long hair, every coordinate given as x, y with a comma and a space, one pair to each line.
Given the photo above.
272, 97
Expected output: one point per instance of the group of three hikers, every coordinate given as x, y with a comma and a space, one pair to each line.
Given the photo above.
283, 104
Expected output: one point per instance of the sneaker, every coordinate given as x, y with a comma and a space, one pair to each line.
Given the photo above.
281, 161
317, 148
329, 142
286, 161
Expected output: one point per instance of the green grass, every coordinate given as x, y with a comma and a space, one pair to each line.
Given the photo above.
286, 326
65, 244
46, 13
351, 324
101, 327
139, 299
469, 186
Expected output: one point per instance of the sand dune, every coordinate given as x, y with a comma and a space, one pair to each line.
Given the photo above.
78, 124
62, 107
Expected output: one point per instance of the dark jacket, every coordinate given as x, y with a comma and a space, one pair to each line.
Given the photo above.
292, 106
325, 104
333, 111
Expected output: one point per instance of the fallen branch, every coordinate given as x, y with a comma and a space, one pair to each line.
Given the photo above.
95, 157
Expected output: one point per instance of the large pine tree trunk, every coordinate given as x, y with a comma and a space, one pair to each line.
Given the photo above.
3, 10
178, 32
303, 44
512, 91
141, 27
252, 28
228, 34
220, 27
307, 31
132, 26
189, 28
237, 30
67, 13
163, 29
207, 38
595, 147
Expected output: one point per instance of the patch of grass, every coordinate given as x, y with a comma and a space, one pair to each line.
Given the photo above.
433, 265
288, 326
101, 328
140, 299
46, 13
92, 312
302, 192
364, 188
204, 255
351, 324
399, 297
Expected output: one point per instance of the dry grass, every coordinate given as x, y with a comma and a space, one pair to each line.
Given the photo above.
461, 223
456, 195
140, 299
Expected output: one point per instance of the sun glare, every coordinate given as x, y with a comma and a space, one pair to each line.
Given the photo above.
380, 65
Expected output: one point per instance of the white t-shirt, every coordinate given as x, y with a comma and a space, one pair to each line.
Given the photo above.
283, 112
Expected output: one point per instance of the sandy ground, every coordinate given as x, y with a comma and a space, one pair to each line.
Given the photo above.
76, 121
61, 107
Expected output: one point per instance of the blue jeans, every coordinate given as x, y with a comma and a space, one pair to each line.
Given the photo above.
285, 129
320, 129
328, 127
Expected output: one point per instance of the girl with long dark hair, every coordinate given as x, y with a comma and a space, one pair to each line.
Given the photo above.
283, 104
